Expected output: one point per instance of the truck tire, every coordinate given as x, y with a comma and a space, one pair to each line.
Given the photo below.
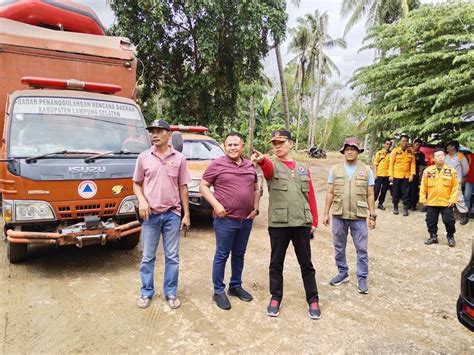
16, 252
129, 241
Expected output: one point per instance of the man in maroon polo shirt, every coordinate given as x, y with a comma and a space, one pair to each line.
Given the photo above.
235, 202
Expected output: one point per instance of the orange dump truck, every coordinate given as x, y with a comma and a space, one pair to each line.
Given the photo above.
71, 134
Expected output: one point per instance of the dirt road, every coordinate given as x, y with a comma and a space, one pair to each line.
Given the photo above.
84, 300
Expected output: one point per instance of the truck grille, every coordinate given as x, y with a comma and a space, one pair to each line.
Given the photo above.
79, 211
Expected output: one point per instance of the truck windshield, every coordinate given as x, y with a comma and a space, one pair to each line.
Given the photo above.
43, 125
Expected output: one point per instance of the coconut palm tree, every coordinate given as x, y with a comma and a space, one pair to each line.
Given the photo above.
281, 75
375, 11
309, 41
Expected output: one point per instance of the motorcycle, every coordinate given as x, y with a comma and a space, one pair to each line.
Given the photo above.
317, 153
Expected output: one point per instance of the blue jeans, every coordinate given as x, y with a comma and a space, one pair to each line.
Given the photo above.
167, 224
360, 236
232, 235
467, 196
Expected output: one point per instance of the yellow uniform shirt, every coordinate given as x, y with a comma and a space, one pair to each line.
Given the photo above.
402, 163
439, 187
381, 162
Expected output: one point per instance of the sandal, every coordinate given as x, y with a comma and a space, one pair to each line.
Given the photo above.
144, 302
173, 302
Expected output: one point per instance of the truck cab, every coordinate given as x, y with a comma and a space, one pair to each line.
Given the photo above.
71, 133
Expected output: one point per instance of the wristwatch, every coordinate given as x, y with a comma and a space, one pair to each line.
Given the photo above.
256, 210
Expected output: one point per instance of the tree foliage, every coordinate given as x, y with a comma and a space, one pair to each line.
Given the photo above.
375, 12
426, 80
199, 52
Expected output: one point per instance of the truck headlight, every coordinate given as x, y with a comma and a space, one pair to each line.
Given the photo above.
33, 211
127, 206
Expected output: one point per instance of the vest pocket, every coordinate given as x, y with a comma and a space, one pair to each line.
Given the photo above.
304, 183
280, 183
339, 187
361, 187
308, 217
361, 209
337, 206
279, 212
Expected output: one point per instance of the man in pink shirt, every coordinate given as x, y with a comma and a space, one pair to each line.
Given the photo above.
160, 184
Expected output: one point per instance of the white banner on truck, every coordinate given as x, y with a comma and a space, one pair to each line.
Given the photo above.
75, 107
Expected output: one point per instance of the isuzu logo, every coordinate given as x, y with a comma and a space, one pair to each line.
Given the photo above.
87, 169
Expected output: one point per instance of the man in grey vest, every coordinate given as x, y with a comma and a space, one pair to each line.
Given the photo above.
292, 217
350, 192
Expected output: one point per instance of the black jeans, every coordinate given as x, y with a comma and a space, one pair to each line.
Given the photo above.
381, 187
280, 239
401, 188
414, 191
447, 214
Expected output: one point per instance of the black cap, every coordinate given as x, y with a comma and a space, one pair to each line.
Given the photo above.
159, 124
281, 136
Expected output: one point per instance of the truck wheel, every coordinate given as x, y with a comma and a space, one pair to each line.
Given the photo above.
16, 252
129, 241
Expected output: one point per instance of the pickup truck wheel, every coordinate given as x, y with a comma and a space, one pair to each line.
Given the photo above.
16, 252
129, 241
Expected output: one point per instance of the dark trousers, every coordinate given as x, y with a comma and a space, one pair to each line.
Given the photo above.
280, 239
414, 191
381, 187
401, 188
447, 214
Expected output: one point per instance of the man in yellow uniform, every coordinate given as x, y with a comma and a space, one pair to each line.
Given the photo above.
381, 164
401, 170
439, 193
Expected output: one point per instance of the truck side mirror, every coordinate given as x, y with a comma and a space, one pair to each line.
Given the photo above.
177, 141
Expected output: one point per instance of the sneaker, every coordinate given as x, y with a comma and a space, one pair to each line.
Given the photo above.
381, 207
405, 211
273, 309
313, 310
221, 300
395, 209
431, 240
451, 242
144, 302
362, 286
464, 220
339, 279
240, 293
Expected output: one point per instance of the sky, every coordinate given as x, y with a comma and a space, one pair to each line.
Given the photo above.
347, 60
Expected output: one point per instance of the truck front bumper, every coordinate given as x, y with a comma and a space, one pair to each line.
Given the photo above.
76, 234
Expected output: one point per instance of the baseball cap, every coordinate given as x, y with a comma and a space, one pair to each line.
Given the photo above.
281, 136
353, 142
159, 124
